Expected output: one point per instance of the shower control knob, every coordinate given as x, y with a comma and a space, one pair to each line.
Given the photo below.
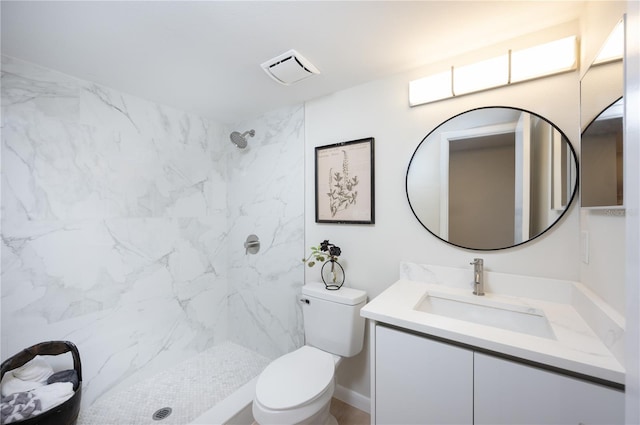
252, 245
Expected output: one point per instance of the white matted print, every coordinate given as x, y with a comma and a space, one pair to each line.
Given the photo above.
345, 182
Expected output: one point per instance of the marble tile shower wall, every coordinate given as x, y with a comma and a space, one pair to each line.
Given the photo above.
114, 225
266, 198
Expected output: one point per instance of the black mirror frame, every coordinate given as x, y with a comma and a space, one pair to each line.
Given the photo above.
555, 222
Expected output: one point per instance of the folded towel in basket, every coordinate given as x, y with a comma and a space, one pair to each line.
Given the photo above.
53, 394
19, 406
30, 375
69, 375
24, 405
36, 369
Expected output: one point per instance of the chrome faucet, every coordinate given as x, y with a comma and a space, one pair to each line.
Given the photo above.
478, 276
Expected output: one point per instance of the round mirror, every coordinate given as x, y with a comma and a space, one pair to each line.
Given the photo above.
492, 178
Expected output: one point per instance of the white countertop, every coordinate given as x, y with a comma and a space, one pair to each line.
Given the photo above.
575, 348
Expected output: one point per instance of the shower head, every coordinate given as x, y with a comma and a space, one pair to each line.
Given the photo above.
240, 140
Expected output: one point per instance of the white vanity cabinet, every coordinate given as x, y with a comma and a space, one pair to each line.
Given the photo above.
421, 381
417, 380
507, 392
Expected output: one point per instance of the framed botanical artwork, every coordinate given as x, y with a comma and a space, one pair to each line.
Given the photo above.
345, 182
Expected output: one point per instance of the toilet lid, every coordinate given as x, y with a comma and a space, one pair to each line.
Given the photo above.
295, 378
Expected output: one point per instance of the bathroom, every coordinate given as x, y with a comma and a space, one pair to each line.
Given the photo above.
168, 215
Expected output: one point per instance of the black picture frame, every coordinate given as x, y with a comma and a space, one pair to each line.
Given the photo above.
344, 182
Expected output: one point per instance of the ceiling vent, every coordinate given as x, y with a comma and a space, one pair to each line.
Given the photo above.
289, 68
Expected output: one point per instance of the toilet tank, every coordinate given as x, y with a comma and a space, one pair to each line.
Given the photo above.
332, 320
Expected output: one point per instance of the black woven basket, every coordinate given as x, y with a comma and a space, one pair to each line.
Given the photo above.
65, 413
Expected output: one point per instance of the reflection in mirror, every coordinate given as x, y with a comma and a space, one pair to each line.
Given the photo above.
601, 116
602, 159
491, 178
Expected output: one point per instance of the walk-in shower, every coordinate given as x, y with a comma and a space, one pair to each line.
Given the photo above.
240, 140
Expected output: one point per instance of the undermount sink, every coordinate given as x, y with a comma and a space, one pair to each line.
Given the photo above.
510, 317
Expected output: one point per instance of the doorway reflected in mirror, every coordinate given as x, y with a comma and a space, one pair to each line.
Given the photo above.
492, 178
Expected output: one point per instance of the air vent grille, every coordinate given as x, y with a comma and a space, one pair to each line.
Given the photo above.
289, 67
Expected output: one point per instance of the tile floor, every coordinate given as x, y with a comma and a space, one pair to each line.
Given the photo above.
189, 393
348, 415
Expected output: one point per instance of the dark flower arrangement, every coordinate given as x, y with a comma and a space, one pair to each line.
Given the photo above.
325, 251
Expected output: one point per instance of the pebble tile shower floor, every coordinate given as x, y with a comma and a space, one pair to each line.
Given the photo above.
190, 388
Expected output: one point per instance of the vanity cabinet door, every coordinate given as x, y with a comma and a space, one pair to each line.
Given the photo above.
506, 392
421, 381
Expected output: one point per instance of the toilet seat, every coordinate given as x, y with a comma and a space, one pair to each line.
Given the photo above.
295, 379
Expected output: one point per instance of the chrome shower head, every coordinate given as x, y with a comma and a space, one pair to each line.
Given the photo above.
240, 140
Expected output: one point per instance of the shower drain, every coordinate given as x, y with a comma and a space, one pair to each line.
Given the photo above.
161, 414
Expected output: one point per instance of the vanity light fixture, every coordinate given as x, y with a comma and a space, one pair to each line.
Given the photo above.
431, 88
516, 66
482, 75
543, 60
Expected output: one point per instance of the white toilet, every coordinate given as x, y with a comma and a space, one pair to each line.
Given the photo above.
297, 387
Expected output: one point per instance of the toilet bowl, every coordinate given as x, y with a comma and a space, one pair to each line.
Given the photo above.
296, 389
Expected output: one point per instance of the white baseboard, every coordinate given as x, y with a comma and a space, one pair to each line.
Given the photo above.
353, 398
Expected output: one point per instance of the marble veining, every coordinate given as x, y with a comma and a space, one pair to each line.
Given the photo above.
123, 222
265, 198
585, 330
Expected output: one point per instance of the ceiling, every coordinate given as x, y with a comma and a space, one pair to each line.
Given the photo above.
204, 56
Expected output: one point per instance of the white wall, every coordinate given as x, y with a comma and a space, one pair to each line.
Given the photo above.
123, 223
632, 182
265, 193
371, 253
113, 226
